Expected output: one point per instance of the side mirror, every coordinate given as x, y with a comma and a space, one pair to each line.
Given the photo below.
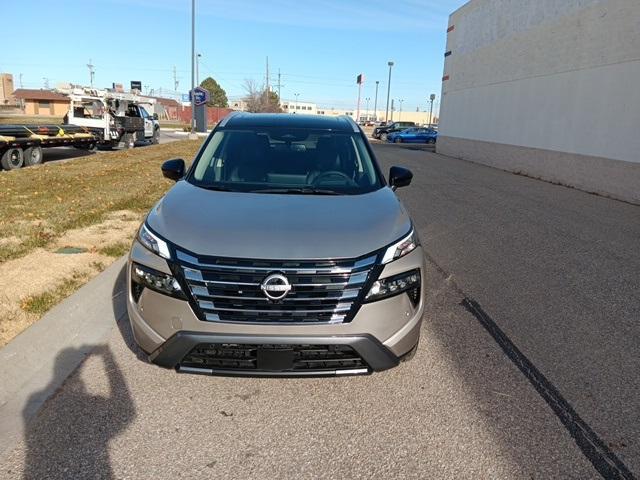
173, 169
399, 177
155, 116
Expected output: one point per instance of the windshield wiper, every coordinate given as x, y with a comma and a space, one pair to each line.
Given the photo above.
217, 188
298, 191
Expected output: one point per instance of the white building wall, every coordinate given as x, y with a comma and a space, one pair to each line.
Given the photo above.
553, 75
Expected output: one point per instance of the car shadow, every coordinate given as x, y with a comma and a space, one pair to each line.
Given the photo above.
70, 436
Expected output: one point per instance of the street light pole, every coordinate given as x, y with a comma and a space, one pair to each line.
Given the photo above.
400, 113
366, 116
296, 94
193, 67
432, 98
386, 115
375, 103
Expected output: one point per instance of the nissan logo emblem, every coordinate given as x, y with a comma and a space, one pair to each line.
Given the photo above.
276, 286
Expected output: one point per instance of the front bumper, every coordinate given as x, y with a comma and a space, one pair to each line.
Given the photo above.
381, 332
374, 355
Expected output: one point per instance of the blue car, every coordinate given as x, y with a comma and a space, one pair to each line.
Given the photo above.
413, 135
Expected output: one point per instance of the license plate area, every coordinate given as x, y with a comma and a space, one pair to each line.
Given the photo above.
275, 359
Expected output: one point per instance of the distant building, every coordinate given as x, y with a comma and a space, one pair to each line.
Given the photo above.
167, 108
293, 106
42, 102
238, 105
6, 89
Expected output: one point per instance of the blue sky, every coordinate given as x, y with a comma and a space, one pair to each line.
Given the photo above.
319, 46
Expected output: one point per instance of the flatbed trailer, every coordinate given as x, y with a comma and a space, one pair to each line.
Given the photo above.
21, 145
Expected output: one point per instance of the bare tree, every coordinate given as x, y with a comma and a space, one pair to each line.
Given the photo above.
259, 99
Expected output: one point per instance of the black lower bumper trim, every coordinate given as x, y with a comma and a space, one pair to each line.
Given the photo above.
375, 355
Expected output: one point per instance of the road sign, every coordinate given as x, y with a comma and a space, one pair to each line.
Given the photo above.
200, 95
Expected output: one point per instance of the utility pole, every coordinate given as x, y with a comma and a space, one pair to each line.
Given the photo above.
375, 103
366, 115
92, 72
46, 82
20, 80
400, 114
432, 98
392, 109
176, 82
296, 94
193, 135
279, 87
386, 115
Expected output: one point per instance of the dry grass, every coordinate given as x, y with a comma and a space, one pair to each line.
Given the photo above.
39, 204
93, 204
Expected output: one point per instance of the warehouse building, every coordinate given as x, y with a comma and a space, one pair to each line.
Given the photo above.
546, 88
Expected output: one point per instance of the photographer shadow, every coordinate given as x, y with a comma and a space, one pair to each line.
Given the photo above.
70, 436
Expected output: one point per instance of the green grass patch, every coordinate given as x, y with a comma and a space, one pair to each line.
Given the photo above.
115, 250
43, 302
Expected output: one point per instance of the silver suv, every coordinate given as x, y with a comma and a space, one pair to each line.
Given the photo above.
282, 250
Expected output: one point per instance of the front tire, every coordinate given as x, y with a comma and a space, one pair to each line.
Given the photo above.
431, 141
155, 139
32, 156
397, 140
383, 137
12, 159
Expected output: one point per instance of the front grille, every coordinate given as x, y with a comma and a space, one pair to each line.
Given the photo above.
229, 290
306, 358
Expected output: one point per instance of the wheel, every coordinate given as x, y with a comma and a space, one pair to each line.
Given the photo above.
431, 141
156, 136
397, 140
13, 158
129, 140
32, 156
383, 137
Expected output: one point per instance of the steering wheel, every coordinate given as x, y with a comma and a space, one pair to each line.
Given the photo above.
333, 173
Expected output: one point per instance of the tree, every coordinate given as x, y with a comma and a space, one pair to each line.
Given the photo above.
259, 100
218, 97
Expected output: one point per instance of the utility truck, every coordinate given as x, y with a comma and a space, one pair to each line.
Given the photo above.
118, 119
96, 118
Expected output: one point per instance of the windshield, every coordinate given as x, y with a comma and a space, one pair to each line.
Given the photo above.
300, 161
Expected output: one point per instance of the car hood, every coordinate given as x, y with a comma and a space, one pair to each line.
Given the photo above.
278, 226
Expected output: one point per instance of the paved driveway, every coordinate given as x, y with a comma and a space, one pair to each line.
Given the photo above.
527, 366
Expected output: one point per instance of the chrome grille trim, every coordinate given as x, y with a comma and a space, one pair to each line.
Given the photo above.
229, 290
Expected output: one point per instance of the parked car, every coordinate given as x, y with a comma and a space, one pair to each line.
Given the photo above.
413, 135
298, 259
382, 131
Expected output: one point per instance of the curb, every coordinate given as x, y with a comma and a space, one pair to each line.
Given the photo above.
80, 323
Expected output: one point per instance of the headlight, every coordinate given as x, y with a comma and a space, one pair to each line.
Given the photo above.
388, 287
153, 243
144, 277
399, 249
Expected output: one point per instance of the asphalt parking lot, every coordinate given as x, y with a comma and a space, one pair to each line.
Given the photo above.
527, 368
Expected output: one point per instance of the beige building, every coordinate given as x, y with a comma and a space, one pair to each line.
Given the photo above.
6, 89
549, 89
42, 102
